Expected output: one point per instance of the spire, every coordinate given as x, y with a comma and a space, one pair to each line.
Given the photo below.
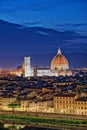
59, 51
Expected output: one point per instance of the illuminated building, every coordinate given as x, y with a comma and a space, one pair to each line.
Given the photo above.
40, 71
6, 101
42, 106
43, 72
24, 104
19, 71
27, 71
60, 65
81, 106
64, 103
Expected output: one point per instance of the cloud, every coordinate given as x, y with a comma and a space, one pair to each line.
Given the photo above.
72, 25
32, 23
78, 27
42, 33
28, 39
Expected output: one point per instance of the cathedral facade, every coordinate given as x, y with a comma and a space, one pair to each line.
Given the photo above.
59, 67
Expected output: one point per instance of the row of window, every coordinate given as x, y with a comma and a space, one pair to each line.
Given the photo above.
80, 107
67, 98
85, 103
64, 102
82, 113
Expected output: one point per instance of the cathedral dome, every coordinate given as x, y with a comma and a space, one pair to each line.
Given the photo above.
59, 62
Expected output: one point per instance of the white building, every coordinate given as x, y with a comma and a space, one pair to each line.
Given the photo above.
43, 72
27, 71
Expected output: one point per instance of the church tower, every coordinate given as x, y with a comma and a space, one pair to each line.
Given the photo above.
27, 67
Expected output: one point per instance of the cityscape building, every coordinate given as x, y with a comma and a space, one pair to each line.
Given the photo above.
27, 71
60, 65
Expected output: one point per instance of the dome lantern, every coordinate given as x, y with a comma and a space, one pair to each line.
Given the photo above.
59, 51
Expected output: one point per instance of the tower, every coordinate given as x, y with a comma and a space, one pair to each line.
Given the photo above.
35, 71
27, 66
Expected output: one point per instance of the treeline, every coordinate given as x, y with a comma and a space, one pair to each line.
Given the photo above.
23, 119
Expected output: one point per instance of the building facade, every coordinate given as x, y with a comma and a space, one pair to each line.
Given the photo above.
61, 103
80, 106
27, 71
60, 65
64, 103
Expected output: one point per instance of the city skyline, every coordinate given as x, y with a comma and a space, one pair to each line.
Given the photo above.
43, 64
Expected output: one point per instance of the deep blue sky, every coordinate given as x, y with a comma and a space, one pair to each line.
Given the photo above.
61, 15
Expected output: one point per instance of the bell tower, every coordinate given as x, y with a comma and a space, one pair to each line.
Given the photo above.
27, 67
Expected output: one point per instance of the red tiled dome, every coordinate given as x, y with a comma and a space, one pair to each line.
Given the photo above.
59, 61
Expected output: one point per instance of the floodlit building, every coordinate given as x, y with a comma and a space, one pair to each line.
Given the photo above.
64, 103
43, 72
27, 71
6, 101
80, 106
60, 65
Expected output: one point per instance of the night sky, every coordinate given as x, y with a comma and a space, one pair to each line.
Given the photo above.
47, 13
41, 26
